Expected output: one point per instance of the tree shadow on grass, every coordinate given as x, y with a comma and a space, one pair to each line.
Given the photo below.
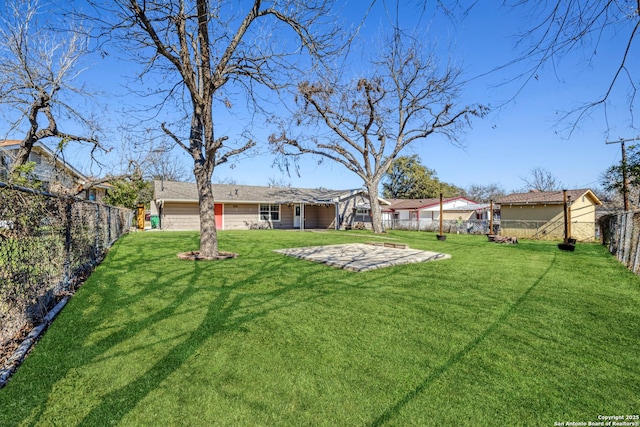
394, 410
229, 310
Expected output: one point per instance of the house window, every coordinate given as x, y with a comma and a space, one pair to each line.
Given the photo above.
362, 214
270, 213
91, 194
35, 158
4, 167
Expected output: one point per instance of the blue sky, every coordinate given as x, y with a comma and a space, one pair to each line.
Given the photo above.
523, 134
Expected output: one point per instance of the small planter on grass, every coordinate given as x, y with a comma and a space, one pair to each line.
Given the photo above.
567, 247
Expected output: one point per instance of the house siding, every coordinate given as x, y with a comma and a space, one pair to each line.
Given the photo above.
320, 216
327, 217
236, 216
56, 176
546, 221
348, 211
583, 219
180, 216
242, 206
286, 217
239, 216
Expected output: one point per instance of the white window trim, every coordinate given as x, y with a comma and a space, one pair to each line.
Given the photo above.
270, 205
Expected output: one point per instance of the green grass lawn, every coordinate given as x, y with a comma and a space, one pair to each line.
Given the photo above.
498, 335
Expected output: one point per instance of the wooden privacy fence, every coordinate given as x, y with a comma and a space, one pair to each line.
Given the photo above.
621, 235
46, 243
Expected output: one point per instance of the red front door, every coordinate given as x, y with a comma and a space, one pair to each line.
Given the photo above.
217, 211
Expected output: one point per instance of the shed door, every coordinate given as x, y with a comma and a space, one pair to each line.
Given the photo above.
217, 211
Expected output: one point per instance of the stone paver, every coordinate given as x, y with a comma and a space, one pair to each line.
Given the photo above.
361, 257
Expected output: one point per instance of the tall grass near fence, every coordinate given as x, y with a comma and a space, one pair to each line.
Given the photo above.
46, 243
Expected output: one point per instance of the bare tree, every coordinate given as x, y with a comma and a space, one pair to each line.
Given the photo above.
278, 183
226, 180
38, 67
541, 180
160, 164
199, 48
485, 193
559, 27
555, 28
371, 120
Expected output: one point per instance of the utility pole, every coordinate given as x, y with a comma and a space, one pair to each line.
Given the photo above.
625, 181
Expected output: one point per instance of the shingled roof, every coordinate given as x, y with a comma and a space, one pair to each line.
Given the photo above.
39, 146
416, 204
229, 193
547, 197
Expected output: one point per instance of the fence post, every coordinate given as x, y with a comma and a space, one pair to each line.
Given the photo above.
612, 237
628, 236
68, 215
98, 244
637, 253
108, 226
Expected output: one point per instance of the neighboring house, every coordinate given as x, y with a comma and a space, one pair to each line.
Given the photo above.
56, 175
427, 210
239, 207
540, 214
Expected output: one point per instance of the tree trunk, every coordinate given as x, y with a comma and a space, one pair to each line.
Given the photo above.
374, 203
22, 157
208, 235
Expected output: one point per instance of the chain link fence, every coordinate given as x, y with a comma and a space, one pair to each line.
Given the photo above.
537, 230
48, 244
472, 226
621, 235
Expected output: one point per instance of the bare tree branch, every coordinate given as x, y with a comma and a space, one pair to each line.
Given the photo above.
206, 47
37, 68
561, 27
371, 120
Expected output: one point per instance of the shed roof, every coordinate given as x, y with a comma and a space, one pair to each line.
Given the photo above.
229, 193
547, 197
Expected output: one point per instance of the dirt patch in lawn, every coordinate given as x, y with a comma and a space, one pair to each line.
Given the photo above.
195, 256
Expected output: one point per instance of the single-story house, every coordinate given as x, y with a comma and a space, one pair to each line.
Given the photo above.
424, 214
453, 208
540, 214
240, 207
56, 175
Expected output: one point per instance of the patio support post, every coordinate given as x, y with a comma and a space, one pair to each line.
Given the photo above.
491, 216
441, 214
566, 214
568, 218
301, 216
440, 236
569, 243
